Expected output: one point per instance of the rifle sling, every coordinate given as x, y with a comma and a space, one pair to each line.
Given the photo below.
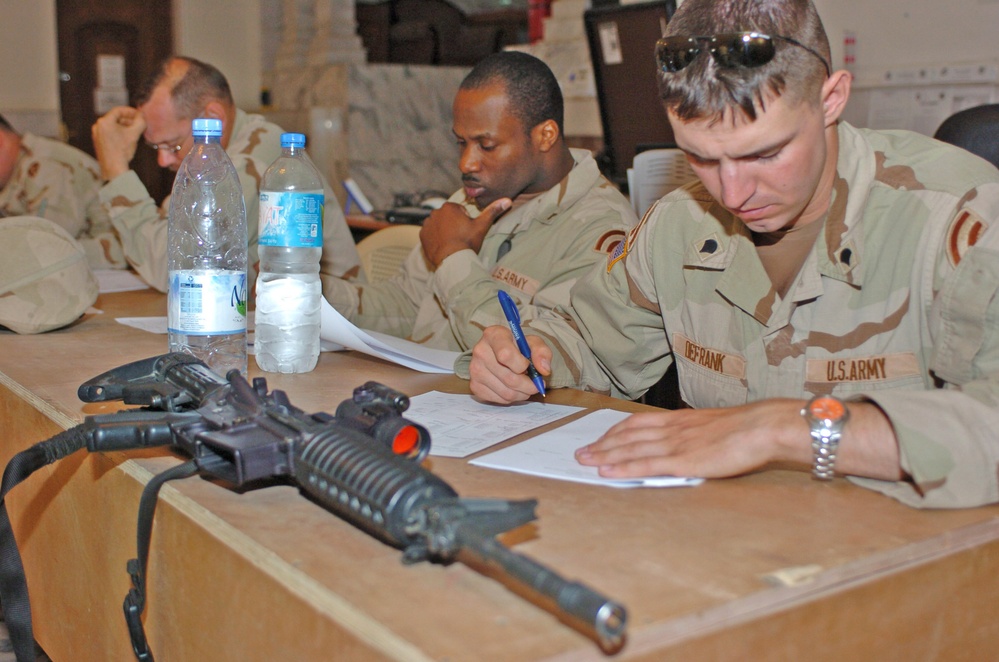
135, 601
13, 584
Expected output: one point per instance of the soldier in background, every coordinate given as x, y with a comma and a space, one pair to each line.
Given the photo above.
48, 178
533, 215
830, 295
184, 89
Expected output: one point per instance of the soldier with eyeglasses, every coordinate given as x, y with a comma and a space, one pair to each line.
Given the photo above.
181, 90
828, 294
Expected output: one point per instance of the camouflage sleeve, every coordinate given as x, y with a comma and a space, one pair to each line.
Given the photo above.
389, 306
947, 436
47, 190
467, 290
610, 340
140, 225
103, 251
99, 239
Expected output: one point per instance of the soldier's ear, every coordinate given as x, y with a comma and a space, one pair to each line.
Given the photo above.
835, 94
545, 135
214, 110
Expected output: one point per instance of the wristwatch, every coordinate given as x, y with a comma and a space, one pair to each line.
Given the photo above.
827, 416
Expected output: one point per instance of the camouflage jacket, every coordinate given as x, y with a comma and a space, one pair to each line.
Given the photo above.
552, 240
57, 181
896, 304
254, 144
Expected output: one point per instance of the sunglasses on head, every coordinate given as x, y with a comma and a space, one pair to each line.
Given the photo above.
729, 50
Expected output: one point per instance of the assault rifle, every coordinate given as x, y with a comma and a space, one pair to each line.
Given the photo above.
363, 464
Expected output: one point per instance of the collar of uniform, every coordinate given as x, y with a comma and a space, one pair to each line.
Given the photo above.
840, 246
546, 207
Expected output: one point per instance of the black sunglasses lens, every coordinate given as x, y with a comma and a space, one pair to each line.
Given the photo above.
742, 50
675, 53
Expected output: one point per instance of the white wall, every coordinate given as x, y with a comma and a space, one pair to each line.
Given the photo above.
28, 56
893, 33
225, 33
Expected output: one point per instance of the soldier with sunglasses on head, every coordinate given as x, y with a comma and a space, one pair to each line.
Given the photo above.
828, 294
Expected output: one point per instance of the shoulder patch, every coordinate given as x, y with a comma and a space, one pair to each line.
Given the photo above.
621, 249
609, 241
964, 231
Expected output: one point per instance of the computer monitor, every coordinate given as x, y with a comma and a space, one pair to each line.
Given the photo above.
622, 41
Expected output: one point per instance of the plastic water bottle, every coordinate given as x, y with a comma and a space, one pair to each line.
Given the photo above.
289, 291
206, 300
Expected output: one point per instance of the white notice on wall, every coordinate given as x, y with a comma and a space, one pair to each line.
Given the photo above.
110, 71
110, 90
610, 43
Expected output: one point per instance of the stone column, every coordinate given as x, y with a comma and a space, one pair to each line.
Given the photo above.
296, 33
335, 38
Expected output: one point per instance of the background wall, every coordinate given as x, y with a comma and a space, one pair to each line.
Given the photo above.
227, 33
223, 32
28, 59
912, 32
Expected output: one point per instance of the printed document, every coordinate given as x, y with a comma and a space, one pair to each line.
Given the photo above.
459, 425
550, 455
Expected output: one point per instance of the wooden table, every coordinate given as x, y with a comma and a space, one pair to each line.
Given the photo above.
768, 566
366, 222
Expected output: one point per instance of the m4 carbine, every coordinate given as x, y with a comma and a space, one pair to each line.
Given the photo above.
363, 464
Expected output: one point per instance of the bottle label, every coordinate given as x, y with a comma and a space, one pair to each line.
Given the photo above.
291, 218
206, 303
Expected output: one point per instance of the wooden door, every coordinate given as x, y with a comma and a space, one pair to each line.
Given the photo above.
106, 51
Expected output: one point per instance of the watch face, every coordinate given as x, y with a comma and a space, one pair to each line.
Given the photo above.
827, 408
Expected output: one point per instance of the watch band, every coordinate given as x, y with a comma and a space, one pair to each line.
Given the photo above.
824, 450
826, 416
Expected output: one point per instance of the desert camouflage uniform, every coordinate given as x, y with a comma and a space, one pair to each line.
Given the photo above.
896, 304
552, 239
59, 182
254, 144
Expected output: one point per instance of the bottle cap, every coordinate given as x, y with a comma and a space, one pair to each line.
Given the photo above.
204, 126
292, 140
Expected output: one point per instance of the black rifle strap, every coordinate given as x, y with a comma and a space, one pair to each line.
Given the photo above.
135, 601
13, 584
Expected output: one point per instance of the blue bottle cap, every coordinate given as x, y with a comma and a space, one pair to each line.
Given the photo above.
292, 140
204, 126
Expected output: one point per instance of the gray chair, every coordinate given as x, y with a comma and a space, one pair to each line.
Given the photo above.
975, 129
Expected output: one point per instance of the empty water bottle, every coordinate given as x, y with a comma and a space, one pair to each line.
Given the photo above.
288, 291
206, 236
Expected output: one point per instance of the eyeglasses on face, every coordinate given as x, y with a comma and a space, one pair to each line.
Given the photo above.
169, 148
729, 50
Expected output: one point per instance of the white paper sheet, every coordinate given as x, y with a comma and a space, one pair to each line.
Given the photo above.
336, 328
118, 280
550, 455
147, 324
459, 425
338, 333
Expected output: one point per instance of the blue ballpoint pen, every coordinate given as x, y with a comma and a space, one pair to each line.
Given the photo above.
513, 317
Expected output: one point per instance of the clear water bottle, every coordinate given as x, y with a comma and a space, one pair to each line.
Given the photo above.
289, 291
206, 300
